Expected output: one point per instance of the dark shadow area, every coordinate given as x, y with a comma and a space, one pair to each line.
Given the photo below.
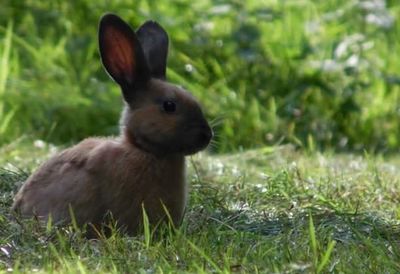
342, 227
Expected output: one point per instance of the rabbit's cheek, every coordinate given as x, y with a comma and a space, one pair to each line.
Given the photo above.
156, 128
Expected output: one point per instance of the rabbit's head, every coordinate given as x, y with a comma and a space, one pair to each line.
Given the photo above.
159, 117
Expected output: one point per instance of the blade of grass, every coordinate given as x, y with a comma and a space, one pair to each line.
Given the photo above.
4, 63
204, 255
146, 228
5, 118
327, 256
313, 240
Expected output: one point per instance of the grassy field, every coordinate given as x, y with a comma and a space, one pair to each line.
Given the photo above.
304, 97
319, 74
272, 210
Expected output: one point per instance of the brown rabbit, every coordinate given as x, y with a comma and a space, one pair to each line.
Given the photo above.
145, 165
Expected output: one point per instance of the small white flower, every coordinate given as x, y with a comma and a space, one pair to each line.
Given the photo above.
39, 144
353, 61
189, 68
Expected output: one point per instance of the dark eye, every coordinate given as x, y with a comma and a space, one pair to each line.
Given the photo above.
169, 106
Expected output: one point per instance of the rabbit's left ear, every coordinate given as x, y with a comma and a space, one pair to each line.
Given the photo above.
154, 41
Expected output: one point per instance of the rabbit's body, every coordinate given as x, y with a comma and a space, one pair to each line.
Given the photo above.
145, 166
80, 177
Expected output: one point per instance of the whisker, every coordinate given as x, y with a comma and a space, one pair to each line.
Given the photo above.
216, 135
215, 142
217, 121
212, 146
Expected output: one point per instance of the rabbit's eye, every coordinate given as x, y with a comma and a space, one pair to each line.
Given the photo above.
169, 106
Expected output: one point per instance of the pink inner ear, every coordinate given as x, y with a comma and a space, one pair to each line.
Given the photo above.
120, 54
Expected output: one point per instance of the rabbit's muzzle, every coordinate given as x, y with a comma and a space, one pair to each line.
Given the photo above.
197, 138
204, 136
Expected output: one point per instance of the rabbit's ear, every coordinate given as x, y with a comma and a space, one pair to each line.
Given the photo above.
121, 52
154, 41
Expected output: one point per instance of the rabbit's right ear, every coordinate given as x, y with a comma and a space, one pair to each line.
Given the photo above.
121, 53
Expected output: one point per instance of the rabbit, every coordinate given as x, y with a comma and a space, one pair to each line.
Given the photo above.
143, 168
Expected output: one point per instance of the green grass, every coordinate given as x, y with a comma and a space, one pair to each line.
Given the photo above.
320, 73
280, 80
261, 211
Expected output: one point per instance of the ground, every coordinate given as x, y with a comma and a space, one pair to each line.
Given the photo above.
273, 209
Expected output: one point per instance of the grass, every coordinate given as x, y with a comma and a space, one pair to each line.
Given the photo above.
318, 73
274, 209
281, 81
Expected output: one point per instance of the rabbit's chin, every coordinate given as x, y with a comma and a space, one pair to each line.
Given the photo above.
164, 150
191, 151
159, 149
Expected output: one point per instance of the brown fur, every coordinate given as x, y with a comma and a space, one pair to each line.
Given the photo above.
144, 167
80, 177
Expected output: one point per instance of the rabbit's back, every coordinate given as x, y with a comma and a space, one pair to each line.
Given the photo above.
99, 176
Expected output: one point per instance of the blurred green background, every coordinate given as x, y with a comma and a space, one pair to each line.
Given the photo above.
319, 74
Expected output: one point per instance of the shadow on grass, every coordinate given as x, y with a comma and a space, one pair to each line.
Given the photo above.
342, 227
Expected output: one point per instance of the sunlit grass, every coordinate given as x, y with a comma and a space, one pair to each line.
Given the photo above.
320, 75
268, 210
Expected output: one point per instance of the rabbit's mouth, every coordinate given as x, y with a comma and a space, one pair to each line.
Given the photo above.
198, 139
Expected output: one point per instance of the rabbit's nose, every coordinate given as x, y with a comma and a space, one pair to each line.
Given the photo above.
205, 135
